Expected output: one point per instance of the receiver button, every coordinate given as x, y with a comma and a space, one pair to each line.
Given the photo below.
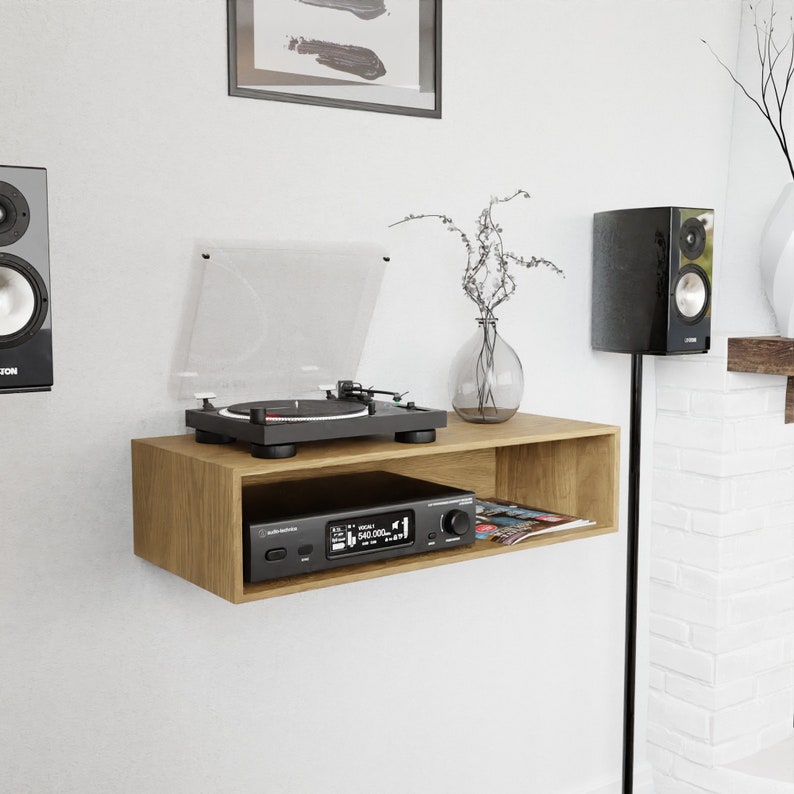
272, 555
305, 550
456, 522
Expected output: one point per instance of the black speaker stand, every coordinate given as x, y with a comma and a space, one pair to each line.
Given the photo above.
632, 542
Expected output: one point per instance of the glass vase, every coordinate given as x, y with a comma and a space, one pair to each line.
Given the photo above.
486, 380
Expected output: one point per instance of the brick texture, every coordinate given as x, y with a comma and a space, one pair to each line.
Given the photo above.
721, 594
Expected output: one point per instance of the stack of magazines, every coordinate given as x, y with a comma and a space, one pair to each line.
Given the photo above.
509, 523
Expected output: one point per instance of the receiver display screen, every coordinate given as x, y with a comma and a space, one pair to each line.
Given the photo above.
371, 533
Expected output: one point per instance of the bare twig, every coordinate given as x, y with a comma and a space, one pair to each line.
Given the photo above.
777, 70
487, 279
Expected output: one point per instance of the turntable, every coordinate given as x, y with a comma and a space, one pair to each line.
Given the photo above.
275, 427
273, 319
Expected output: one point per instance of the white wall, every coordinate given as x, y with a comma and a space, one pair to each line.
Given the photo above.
502, 675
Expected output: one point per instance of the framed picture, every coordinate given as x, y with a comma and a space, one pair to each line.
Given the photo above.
381, 55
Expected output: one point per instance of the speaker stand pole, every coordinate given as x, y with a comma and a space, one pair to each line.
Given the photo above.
632, 542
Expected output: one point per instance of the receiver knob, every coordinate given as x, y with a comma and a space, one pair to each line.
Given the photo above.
456, 522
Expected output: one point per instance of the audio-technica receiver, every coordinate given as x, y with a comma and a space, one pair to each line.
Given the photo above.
311, 525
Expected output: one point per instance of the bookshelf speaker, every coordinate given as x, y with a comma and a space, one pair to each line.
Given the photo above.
652, 280
25, 314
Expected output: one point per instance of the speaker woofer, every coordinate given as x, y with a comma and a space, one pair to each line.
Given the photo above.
692, 239
14, 214
691, 293
23, 301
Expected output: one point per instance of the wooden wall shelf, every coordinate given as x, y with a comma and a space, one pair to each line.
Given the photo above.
187, 497
766, 355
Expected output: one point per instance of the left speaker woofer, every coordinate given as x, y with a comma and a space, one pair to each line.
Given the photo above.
23, 301
691, 293
14, 214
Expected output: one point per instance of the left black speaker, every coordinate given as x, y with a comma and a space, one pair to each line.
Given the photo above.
25, 311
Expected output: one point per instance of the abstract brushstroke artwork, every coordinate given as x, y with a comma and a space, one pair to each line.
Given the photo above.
379, 55
363, 9
339, 36
359, 61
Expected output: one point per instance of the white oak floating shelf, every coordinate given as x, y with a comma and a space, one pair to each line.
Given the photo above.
187, 497
765, 355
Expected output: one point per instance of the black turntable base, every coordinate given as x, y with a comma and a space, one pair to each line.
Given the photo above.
275, 427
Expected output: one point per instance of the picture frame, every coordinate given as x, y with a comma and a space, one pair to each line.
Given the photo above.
377, 55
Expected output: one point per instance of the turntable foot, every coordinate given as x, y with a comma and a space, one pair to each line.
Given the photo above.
272, 451
205, 437
415, 436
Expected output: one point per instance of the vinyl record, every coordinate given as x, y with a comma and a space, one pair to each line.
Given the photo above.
298, 410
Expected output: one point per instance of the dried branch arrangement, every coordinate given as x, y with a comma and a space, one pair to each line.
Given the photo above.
487, 279
776, 57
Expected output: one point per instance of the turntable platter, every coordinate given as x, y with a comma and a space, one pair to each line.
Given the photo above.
297, 410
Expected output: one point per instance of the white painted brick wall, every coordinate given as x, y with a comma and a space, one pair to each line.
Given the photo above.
721, 650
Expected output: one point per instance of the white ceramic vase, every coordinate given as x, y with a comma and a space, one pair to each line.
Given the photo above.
777, 260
